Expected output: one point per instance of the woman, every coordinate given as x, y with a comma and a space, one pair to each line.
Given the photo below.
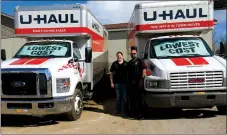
118, 80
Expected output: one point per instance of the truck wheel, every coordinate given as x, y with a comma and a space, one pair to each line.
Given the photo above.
77, 106
222, 109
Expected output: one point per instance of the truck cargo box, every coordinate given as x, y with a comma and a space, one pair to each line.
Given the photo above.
163, 18
180, 16
69, 22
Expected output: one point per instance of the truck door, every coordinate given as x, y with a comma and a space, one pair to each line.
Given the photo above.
80, 62
146, 51
146, 57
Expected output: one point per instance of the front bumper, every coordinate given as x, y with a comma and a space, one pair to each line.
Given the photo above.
185, 100
36, 107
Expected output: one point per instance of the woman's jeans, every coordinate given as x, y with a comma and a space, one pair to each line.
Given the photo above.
121, 91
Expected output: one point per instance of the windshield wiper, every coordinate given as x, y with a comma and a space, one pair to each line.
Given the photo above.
51, 56
191, 55
164, 56
194, 55
54, 56
23, 56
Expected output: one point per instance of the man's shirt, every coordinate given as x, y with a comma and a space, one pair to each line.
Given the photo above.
135, 69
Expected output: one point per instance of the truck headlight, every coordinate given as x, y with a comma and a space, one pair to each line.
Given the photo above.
63, 85
156, 84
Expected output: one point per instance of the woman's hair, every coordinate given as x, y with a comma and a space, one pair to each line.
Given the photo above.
120, 53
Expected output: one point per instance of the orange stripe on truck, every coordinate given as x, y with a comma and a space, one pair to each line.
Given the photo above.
20, 61
37, 61
181, 61
198, 61
175, 25
29, 61
189, 61
97, 40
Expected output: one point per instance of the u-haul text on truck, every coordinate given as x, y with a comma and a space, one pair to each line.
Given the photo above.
182, 70
65, 56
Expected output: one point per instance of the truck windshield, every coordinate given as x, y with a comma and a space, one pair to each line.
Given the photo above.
179, 47
45, 49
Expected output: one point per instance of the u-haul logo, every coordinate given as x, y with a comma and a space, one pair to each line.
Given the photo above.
95, 25
48, 19
183, 14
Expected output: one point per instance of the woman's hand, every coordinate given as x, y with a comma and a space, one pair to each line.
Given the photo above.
112, 85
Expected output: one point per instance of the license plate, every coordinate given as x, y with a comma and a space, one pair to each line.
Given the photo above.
21, 110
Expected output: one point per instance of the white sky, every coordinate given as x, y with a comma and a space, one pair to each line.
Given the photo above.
109, 12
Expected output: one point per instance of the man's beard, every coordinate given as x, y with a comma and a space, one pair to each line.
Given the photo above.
133, 57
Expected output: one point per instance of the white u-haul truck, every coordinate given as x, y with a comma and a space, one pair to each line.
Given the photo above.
65, 56
182, 71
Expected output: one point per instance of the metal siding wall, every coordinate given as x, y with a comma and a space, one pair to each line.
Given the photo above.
208, 38
12, 45
116, 35
114, 47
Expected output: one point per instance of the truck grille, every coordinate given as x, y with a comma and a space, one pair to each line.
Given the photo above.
23, 84
207, 79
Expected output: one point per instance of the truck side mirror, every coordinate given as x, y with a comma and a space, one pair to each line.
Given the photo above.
88, 54
3, 54
145, 55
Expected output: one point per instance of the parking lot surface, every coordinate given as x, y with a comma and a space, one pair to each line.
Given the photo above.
100, 119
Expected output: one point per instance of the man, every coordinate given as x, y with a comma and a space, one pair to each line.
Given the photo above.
118, 80
136, 73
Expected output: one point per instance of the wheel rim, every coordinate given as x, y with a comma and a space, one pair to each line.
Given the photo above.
78, 104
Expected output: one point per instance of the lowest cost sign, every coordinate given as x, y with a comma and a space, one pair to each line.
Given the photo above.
180, 48
43, 50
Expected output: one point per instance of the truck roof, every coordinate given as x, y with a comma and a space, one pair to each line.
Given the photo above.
166, 3
50, 7
50, 40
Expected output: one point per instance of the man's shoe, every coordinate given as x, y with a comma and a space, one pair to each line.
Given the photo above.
140, 117
117, 113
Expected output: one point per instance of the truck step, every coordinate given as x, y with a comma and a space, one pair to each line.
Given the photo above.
88, 95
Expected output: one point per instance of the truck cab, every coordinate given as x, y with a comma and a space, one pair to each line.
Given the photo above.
184, 72
32, 74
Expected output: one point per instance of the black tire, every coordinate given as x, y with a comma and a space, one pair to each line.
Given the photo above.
73, 115
222, 110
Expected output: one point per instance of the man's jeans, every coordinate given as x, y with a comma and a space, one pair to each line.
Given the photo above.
121, 90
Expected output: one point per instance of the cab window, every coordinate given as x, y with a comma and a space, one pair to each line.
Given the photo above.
76, 51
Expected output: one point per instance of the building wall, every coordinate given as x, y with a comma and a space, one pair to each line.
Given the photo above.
12, 45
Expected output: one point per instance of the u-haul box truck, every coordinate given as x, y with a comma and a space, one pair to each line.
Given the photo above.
182, 70
65, 56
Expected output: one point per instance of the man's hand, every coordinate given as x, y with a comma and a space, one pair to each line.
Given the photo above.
112, 85
111, 80
144, 73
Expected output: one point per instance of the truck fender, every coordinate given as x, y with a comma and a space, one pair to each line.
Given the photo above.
221, 60
80, 87
76, 82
